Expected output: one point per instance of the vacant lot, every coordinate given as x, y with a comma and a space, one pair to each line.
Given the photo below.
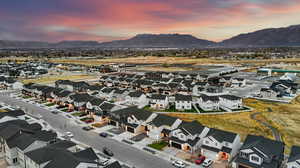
284, 117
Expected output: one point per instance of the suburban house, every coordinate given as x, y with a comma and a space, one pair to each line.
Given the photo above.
10, 83
209, 103
19, 137
161, 126
231, 102
159, 102
137, 98
93, 105
132, 119
188, 136
79, 100
268, 93
294, 158
258, 151
61, 154
238, 82
12, 115
183, 102
219, 144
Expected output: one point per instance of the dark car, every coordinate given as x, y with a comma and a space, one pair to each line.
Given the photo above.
107, 151
54, 112
103, 134
87, 128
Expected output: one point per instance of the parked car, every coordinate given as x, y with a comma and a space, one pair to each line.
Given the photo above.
178, 163
200, 160
54, 112
107, 151
103, 134
69, 134
87, 128
207, 162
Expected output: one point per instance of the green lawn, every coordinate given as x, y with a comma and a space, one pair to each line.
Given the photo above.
50, 104
158, 145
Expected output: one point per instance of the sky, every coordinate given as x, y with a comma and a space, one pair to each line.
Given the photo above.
107, 20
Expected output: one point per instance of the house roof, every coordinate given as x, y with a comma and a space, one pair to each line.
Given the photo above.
206, 98
193, 127
135, 94
161, 119
60, 157
13, 113
84, 97
115, 164
180, 97
140, 114
107, 106
158, 97
295, 154
270, 148
96, 101
231, 97
221, 135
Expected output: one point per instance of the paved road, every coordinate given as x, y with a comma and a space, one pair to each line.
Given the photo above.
123, 152
275, 132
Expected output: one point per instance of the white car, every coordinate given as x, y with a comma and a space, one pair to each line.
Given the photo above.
207, 163
69, 134
178, 164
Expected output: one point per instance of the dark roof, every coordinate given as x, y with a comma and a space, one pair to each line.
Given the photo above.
206, 98
94, 87
295, 154
161, 119
230, 97
13, 113
140, 114
270, 148
88, 153
158, 97
135, 94
193, 127
115, 164
107, 106
64, 93
84, 97
96, 102
180, 97
221, 135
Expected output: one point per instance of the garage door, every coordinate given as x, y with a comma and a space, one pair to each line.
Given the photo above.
241, 166
130, 129
113, 123
176, 145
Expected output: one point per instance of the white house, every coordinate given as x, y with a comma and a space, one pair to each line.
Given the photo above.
231, 102
137, 98
238, 82
209, 103
159, 101
188, 136
161, 126
183, 102
294, 158
219, 144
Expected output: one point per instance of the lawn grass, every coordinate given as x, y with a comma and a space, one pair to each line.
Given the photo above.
50, 104
158, 145
78, 113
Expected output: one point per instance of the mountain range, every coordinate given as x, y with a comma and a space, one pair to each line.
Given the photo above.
287, 36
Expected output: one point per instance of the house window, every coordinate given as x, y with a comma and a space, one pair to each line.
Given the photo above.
254, 158
206, 142
15, 160
244, 155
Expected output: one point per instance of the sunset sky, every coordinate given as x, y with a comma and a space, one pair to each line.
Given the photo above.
106, 20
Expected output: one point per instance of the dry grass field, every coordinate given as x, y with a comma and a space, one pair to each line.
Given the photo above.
52, 79
284, 117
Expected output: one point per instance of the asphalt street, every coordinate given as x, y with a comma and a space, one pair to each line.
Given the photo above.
122, 151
